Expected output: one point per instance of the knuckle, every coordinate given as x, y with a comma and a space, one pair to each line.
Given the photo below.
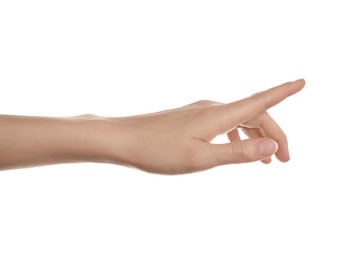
282, 138
263, 99
241, 152
205, 102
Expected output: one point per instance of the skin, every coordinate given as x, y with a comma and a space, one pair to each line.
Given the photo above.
174, 141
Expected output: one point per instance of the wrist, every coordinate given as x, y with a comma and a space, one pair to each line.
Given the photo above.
104, 139
87, 138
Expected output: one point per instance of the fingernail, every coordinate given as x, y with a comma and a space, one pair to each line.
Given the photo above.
299, 81
266, 148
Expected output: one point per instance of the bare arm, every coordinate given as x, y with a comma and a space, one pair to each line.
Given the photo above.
32, 141
170, 142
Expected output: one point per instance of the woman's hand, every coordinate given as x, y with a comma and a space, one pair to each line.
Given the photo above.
169, 142
178, 140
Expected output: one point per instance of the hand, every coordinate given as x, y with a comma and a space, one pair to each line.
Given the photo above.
178, 140
169, 142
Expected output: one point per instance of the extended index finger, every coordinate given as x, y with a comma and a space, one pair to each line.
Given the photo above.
240, 111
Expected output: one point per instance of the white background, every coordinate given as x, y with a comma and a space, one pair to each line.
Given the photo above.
114, 58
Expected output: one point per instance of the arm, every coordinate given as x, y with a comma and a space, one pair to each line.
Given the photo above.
173, 141
31, 141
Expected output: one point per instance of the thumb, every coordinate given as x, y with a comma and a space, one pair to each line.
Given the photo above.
244, 151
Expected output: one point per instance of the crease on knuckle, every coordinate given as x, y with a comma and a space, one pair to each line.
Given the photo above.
239, 153
282, 138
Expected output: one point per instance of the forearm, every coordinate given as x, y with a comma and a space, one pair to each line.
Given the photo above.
31, 141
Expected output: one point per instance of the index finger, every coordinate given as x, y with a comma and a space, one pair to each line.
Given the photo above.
240, 111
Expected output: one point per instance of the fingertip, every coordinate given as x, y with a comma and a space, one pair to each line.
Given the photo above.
266, 160
266, 147
293, 87
300, 83
283, 159
301, 80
